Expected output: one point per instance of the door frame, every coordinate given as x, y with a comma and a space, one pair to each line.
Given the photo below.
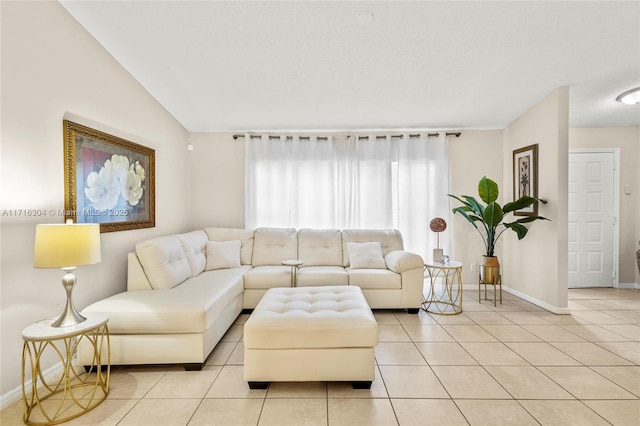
616, 205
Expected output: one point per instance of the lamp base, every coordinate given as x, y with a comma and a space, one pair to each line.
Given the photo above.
70, 316
437, 255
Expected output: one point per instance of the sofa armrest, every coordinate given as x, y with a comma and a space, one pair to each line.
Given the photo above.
400, 261
136, 278
411, 267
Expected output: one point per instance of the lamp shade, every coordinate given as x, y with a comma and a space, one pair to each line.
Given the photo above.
66, 245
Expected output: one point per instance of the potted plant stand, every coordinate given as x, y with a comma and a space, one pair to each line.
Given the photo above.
490, 275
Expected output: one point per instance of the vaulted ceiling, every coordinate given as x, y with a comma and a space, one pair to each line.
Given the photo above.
320, 65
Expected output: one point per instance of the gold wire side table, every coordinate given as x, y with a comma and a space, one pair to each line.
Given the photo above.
444, 298
74, 391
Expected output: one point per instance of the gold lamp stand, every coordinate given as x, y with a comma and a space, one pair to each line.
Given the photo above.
70, 316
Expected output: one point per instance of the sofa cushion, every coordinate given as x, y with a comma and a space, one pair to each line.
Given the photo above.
223, 254
320, 247
189, 308
267, 276
194, 246
322, 276
389, 239
365, 255
230, 234
273, 245
164, 262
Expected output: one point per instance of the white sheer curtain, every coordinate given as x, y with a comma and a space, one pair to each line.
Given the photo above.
349, 182
267, 182
423, 185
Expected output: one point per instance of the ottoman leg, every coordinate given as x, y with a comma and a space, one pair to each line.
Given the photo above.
193, 366
361, 385
258, 385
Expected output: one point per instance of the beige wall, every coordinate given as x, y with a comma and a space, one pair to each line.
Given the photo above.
217, 168
626, 139
53, 69
476, 153
537, 265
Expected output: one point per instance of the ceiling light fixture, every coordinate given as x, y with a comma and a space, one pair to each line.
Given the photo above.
630, 97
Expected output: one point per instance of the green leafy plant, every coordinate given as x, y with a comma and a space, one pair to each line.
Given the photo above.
491, 215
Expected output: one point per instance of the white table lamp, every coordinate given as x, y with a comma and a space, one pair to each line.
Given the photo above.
67, 246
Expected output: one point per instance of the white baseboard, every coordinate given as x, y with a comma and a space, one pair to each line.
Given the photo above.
544, 305
10, 397
634, 286
16, 394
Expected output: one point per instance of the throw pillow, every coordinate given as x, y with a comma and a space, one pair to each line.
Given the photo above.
163, 261
223, 254
366, 256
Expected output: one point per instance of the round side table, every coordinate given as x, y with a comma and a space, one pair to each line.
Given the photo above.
446, 298
294, 263
73, 391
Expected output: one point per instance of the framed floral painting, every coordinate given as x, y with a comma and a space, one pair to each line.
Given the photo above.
107, 180
525, 177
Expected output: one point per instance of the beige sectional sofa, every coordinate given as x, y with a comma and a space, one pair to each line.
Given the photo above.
184, 291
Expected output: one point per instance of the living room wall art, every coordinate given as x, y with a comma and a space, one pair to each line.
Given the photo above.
107, 180
525, 178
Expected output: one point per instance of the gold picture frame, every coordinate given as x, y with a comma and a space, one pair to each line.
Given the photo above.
107, 180
525, 178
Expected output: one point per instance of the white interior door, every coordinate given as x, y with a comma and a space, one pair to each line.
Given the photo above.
592, 220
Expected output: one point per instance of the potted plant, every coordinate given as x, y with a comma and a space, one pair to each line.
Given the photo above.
490, 217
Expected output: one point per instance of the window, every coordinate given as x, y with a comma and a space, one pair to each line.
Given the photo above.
348, 182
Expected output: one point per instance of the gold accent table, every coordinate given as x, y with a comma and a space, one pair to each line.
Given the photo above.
75, 390
294, 263
446, 298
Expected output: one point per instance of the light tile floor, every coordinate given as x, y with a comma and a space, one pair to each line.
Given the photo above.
514, 364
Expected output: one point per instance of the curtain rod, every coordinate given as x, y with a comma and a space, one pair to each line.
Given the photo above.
412, 135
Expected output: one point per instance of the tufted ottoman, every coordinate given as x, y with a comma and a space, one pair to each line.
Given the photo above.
298, 334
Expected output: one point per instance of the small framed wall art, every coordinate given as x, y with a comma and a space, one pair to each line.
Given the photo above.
107, 180
525, 177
